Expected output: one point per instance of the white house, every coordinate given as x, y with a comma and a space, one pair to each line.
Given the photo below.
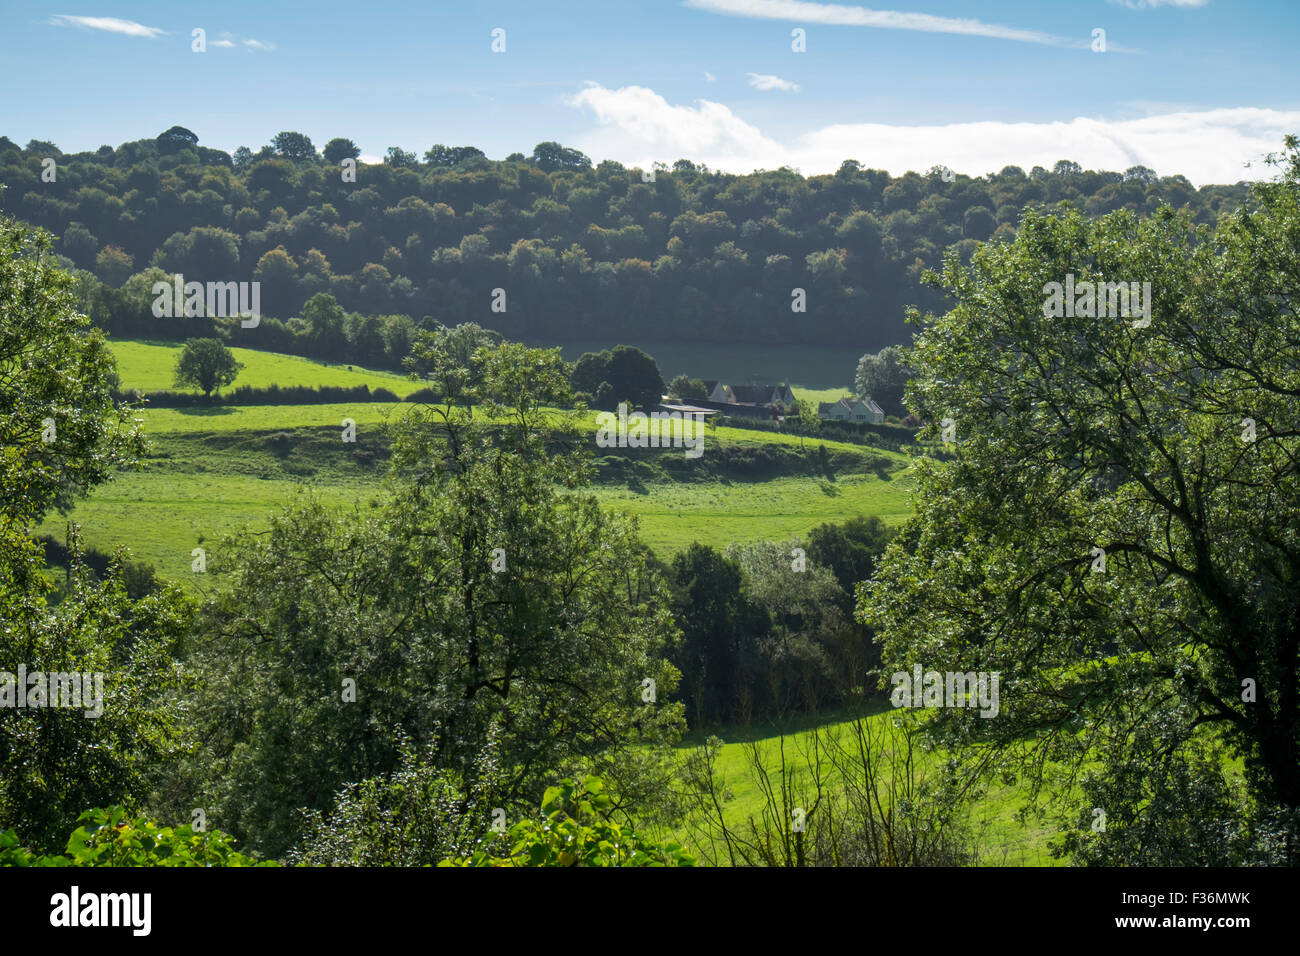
851, 410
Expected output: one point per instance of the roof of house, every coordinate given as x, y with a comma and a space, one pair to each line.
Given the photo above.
849, 405
691, 409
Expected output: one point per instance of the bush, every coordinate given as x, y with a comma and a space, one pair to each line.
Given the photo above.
415, 816
576, 831
269, 395
111, 837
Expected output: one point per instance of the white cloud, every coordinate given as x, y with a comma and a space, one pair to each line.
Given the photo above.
636, 126
835, 14
1146, 4
637, 121
766, 81
709, 77
108, 24
229, 41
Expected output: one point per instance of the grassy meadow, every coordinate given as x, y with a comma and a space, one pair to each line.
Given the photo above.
214, 470
999, 838
150, 366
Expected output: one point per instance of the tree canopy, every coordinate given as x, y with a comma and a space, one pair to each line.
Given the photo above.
1116, 533
692, 256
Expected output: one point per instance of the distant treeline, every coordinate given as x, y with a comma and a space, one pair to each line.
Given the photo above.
268, 395
578, 251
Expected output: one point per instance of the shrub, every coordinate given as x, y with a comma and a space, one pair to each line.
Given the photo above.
576, 831
111, 837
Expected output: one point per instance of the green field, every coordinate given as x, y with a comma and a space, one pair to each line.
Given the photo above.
816, 395
213, 470
151, 366
253, 418
672, 516
998, 837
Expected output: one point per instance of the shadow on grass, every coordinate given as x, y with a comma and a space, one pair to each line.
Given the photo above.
206, 410
768, 727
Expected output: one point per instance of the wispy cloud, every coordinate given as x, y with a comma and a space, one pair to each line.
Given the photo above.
1147, 4
709, 77
230, 41
636, 125
766, 81
107, 24
835, 14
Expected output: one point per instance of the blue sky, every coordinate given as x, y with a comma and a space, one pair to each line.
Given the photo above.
1197, 87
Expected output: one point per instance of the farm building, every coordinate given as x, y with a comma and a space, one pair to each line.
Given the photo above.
746, 401
851, 410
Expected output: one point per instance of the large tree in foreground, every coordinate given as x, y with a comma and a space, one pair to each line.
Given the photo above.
484, 609
60, 431
1118, 532
61, 434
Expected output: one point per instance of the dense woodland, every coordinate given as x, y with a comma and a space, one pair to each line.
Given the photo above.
583, 252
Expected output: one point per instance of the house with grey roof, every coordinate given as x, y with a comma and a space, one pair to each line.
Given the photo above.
851, 410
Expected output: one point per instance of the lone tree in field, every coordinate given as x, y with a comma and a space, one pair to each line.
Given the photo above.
1118, 531
206, 364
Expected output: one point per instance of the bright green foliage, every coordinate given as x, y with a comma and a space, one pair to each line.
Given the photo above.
415, 816
54, 761
1118, 534
576, 830
60, 431
112, 837
480, 597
